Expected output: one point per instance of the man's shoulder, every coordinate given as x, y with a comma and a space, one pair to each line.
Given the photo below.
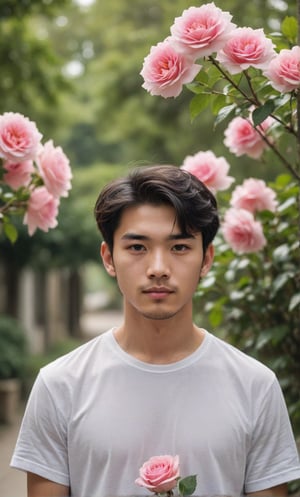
240, 362
74, 363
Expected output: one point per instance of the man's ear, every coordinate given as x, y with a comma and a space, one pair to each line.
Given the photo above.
207, 260
107, 259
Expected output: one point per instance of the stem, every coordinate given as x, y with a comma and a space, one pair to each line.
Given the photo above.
226, 76
251, 87
294, 172
12, 203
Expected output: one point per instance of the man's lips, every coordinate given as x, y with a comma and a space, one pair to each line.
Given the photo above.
158, 291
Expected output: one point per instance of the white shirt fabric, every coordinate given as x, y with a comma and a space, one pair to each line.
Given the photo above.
97, 414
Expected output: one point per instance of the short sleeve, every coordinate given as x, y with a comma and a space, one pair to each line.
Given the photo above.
273, 457
42, 442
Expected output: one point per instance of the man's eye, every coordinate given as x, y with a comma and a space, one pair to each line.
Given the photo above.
180, 247
136, 247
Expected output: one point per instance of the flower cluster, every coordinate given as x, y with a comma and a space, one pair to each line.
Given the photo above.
161, 475
33, 176
207, 30
250, 75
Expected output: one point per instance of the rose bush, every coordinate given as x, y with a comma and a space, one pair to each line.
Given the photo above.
33, 176
253, 81
161, 474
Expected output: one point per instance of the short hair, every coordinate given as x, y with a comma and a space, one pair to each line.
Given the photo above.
194, 204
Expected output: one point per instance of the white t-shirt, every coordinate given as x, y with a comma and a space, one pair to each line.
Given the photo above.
97, 414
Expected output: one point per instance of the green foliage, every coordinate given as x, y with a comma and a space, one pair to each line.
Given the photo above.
31, 80
21, 8
187, 485
254, 299
13, 347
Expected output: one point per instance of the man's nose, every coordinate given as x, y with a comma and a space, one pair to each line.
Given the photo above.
158, 266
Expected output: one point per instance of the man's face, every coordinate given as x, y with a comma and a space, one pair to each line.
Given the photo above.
156, 266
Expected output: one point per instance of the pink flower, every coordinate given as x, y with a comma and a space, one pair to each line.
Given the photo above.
210, 169
55, 170
42, 210
242, 232
254, 195
246, 47
19, 137
200, 31
159, 474
284, 70
18, 173
243, 139
165, 70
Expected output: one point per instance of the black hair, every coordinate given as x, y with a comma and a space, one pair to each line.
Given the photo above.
194, 204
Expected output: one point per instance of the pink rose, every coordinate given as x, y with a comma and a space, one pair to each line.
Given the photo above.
246, 47
165, 70
211, 170
200, 31
284, 70
242, 232
18, 173
254, 195
19, 137
242, 138
42, 210
159, 473
55, 170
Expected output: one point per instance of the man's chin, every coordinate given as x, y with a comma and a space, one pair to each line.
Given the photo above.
159, 316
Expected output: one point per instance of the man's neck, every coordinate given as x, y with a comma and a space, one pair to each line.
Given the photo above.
159, 341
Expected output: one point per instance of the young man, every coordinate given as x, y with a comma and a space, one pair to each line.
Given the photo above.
158, 384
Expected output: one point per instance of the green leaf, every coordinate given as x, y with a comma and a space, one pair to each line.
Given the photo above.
281, 253
218, 103
289, 28
187, 486
261, 113
198, 104
194, 87
202, 77
216, 316
11, 232
280, 281
294, 302
224, 113
288, 203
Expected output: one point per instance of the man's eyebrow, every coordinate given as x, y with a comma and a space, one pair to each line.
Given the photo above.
175, 236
